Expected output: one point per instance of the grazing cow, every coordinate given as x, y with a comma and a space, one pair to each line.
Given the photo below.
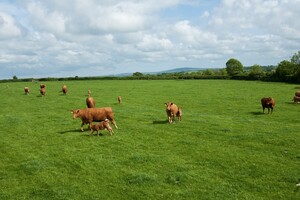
101, 126
64, 89
42, 86
173, 110
90, 103
26, 90
43, 91
268, 102
119, 99
296, 99
297, 94
89, 115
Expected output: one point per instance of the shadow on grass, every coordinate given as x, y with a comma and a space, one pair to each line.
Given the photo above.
71, 131
160, 121
257, 113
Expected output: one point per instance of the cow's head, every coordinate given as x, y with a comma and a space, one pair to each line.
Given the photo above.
168, 105
75, 113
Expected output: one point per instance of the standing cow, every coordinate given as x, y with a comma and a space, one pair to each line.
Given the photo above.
43, 91
90, 102
119, 99
173, 110
89, 115
296, 99
64, 89
268, 102
101, 126
26, 90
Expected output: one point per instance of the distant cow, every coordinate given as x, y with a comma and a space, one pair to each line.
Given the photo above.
268, 102
90, 103
26, 90
43, 91
42, 86
64, 89
296, 99
297, 94
119, 99
101, 126
89, 115
173, 110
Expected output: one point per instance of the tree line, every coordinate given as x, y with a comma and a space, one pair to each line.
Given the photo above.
285, 71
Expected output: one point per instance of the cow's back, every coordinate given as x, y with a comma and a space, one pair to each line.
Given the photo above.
100, 114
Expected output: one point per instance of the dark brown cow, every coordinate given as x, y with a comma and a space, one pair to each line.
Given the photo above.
119, 99
268, 102
297, 94
26, 90
90, 103
173, 110
296, 99
101, 126
89, 115
43, 91
64, 89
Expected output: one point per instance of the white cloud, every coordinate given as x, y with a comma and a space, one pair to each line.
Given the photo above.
8, 27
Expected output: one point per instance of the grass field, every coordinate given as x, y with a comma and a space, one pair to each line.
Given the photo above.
224, 147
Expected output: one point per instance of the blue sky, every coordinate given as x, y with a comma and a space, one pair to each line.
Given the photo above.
54, 38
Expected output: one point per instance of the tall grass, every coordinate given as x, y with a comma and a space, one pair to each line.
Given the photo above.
224, 147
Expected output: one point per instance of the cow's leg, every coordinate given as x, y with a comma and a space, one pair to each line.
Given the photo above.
114, 123
91, 133
82, 124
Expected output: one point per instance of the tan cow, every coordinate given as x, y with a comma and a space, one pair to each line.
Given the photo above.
64, 89
101, 126
119, 99
89, 115
26, 90
42, 86
43, 91
173, 110
90, 102
296, 99
268, 102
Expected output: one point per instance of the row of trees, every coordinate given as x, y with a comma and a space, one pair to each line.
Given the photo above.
286, 71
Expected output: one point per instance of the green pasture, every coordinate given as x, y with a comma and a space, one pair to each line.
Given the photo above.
224, 147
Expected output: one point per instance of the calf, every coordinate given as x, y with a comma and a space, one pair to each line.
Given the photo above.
173, 110
90, 103
101, 126
26, 90
268, 102
119, 99
89, 115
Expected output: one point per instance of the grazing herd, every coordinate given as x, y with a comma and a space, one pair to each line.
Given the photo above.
105, 115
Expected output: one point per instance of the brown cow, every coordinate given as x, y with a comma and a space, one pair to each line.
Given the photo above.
26, 90
173, 110
64, 89
89, 115
43, 91
101, 126
90, 103
42, 86
119, 99
296, 99
268, 102
297, 94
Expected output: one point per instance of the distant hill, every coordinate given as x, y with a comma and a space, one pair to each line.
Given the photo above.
182, 69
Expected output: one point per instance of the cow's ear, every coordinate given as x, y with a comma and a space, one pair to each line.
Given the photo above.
77, 111
171, 103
